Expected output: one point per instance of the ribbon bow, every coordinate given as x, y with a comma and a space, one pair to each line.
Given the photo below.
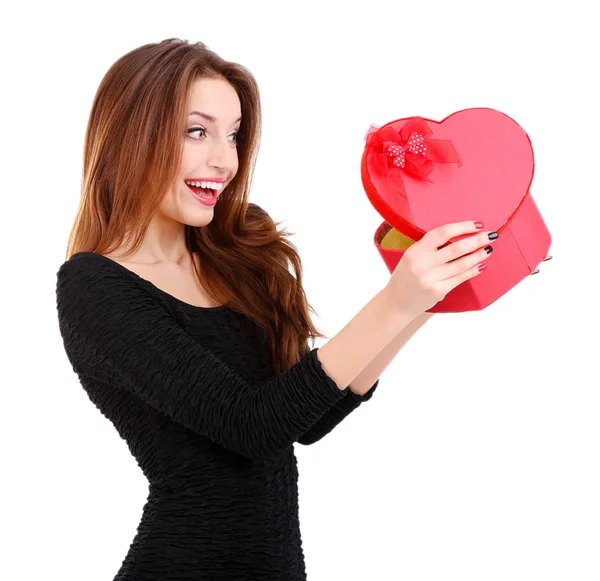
415, 146
390, 153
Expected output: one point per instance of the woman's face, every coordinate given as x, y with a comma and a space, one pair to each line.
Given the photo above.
210, 149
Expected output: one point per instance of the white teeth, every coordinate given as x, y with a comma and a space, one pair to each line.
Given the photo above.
212, 185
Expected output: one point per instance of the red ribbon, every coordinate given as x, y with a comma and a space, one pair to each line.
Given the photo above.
390, 153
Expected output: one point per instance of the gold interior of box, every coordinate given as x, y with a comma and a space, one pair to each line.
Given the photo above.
392, 239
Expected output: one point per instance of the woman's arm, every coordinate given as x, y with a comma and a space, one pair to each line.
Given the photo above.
364, 385
116, 333
333, 416
364, 380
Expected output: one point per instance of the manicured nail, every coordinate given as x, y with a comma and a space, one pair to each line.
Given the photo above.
479, 225
535, 271
482, 266
488, 249
493, 235
547, 258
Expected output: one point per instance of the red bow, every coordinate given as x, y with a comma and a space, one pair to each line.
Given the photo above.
389, 153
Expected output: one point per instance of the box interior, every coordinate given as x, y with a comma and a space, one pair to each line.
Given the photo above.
392, 239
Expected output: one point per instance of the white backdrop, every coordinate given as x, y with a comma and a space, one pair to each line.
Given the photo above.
478, 457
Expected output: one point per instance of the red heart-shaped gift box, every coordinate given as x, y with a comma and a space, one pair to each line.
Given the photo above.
476, 164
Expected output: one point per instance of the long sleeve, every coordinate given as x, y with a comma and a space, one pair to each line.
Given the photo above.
334, 415
114, 332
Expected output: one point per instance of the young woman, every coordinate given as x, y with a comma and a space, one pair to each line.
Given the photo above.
187, 330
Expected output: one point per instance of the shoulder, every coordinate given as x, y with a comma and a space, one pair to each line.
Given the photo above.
96, 297
89, 279
88, 268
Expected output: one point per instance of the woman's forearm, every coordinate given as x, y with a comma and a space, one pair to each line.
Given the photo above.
349, 352
367, 377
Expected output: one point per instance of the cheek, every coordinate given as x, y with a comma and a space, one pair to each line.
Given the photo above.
188, 160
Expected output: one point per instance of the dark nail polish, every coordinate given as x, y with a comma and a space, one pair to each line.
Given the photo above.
545, 259
493, 235
488, 249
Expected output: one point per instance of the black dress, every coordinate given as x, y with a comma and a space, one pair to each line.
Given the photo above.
192, 392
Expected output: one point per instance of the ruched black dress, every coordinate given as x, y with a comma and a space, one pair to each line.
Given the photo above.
192, 392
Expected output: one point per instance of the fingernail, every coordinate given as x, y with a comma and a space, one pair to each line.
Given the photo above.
535, 271
479, 225
548, 258
482, 266
488, 249
493, 235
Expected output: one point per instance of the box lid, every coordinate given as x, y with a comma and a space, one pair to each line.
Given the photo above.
476, 164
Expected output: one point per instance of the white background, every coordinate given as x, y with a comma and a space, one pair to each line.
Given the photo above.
478, 457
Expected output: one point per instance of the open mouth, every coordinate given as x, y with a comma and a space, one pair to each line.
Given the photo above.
205, 196
203, 192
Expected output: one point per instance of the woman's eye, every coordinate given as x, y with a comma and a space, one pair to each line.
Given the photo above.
195, 129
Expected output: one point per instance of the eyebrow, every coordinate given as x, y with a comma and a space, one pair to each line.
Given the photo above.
209, 117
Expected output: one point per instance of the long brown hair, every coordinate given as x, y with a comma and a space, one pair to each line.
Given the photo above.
132, 152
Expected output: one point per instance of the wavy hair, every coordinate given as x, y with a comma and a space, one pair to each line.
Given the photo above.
132, 152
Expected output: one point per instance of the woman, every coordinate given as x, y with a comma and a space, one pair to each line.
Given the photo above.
187, 331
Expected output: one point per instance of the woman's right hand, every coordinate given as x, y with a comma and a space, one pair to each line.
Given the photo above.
426, 272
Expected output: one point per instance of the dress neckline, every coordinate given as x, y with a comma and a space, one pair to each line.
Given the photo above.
161, 291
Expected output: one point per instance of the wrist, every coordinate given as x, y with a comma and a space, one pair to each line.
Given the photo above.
396, 308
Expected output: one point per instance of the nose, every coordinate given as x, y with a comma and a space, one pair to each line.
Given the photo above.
222, 154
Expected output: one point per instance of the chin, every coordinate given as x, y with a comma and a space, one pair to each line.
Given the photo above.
198, 221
